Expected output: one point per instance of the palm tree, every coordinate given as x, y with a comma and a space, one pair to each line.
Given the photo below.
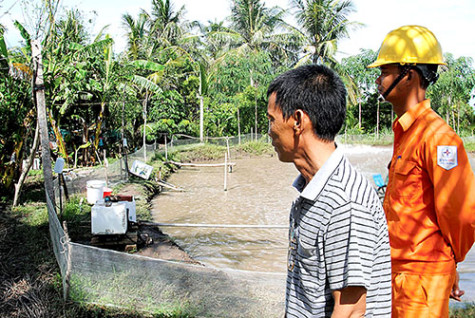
323, 24
253, 29
254, 25
137, 34
165, 22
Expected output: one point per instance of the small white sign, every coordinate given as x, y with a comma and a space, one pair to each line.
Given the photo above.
141, 169
447, 157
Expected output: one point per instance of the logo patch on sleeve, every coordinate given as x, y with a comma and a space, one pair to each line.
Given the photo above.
447, 157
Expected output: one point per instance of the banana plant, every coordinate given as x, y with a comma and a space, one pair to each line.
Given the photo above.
18, 115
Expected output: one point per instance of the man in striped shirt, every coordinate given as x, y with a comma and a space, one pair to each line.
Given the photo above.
339, 257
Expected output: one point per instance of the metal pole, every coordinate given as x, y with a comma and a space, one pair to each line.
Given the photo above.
166, 148
239, 126
60, 198
106, 164
201, 117
226, 226
226, 171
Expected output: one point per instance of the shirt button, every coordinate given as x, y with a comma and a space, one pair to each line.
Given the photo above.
291, 266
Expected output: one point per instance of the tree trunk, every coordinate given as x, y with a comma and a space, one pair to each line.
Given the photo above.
85, 138
255, 110
255, 104
449, 110
200, 96
39, 90
98, 129
359, 113
123, 144
144, 127
25, 169
239, 125
458, 118
201, 118
377, 123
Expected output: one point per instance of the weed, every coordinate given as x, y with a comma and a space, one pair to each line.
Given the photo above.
463, 311
257, 148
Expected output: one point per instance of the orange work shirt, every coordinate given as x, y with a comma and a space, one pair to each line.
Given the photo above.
430, 197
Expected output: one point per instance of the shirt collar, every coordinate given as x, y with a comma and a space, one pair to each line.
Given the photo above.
409, 117
316, 184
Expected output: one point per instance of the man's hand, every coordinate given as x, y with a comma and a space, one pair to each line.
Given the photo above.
349, 302
456, 293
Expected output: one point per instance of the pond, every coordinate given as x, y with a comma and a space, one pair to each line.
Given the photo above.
259, 193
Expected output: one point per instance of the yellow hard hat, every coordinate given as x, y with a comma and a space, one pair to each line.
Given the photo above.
410, 44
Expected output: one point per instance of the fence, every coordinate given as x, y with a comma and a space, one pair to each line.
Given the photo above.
110, 278
114, 173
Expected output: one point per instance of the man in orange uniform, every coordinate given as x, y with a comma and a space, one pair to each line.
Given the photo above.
430, 197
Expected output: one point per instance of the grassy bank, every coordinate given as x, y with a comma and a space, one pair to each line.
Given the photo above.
30, 280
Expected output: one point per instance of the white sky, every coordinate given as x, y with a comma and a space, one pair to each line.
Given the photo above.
453, 23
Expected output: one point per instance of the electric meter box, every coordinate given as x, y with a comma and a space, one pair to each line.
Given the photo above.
107, 220
130, 206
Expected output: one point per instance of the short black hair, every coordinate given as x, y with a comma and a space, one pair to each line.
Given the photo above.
318, 91
427, 73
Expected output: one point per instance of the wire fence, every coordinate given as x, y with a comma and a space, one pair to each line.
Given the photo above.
110, 278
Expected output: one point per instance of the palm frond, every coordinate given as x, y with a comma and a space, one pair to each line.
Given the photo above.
146, 84
148, 65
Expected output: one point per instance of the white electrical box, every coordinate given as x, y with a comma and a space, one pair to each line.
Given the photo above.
106, 220
130, 206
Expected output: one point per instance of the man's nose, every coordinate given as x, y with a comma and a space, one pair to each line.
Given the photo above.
378, 80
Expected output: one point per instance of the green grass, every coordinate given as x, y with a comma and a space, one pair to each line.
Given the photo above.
469, 146
256, 148
463, 311
32, 279
110, 289
364, 139
204, 152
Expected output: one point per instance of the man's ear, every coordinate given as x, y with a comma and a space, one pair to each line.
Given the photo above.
412, 74
298, 119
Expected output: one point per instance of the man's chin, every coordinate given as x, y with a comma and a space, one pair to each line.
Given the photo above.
282, 157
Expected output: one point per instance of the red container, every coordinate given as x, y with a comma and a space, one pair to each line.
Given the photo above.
107, 192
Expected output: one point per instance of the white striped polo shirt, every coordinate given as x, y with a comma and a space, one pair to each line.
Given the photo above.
338, 238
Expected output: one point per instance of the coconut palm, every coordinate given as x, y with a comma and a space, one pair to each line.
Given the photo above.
323, 23
137, 35
254, 25
166, 22
254, 29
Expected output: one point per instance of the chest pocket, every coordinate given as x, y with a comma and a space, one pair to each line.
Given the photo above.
407, 180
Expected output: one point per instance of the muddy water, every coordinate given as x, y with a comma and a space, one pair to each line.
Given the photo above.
259, 193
